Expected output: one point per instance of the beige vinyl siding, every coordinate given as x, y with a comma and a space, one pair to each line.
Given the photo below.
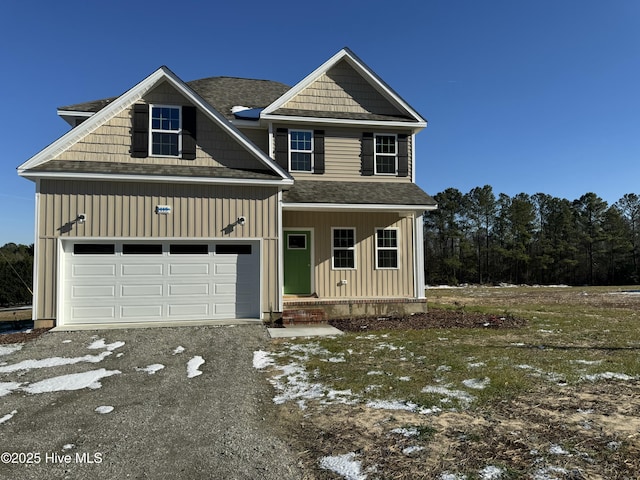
343, 160
127, 210
259, 137
365, 281
342, 89
111, 142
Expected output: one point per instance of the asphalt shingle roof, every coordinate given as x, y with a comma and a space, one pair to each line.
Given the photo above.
294, 112
220, 92
381, 193
76, 166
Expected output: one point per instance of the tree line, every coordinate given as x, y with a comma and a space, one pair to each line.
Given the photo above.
16, 274
531, 239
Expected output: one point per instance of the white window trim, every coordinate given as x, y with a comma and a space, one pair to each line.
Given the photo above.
376, 154
159, 130
396, 248
300, 151
333, 249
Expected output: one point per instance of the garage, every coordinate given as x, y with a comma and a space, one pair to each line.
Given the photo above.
141, 281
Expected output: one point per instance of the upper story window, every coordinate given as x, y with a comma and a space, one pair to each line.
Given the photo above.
386, 155
301, 150
166, 131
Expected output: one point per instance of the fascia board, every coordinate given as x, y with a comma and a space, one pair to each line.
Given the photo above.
75, 113
415, 126
152, 178
362, 68
355, 207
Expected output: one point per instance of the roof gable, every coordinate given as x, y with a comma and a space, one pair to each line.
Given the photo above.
135, 94
345, 88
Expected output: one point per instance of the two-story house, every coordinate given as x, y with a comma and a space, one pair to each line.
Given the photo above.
228, 198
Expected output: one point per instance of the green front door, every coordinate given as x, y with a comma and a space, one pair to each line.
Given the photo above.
297, 262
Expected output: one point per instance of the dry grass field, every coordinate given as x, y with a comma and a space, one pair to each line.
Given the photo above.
556, 396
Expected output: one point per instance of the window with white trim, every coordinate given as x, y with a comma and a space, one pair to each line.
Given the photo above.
343, 248
166, 131
300, 150
386, 155
387, 248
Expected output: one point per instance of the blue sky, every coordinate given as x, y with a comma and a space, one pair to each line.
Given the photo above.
526, 96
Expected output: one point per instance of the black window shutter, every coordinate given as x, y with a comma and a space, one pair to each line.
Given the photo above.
282, 147
318, 152
189, 133
403, 155
367, 153
140, 131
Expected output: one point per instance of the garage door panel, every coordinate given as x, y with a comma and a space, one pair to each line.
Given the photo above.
132, 287
189, 269
188, 289
192, 310
88, 314
136, 269
93, 291
151, 311
141, 290
93, 270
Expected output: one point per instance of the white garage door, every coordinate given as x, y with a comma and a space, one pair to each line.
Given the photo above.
138, 281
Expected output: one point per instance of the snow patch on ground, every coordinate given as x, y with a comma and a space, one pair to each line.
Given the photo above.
477, 383
490, 473
98, 344
9, 349
410, 450
53, 362
262, 359
8, 387
406, 432
104, 409
193, 365
8, 416
345, 465
607, 376
73, 381
151, 369
461, 395
68, 446
557, 450
179, 349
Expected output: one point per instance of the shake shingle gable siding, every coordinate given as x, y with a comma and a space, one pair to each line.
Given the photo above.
357, 193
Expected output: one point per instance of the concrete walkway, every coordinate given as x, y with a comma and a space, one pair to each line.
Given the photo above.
304, 331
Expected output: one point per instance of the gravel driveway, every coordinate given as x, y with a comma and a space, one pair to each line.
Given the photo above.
163, 424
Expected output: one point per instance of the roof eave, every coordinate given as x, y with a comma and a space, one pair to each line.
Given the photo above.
415, 126
293, 206
31, 175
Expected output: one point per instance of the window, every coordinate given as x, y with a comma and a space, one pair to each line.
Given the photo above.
296, 242
142, 249
386, 248
166, 131
343, 249
301, 150
94, 249
188, 249
386, 155
233, 249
